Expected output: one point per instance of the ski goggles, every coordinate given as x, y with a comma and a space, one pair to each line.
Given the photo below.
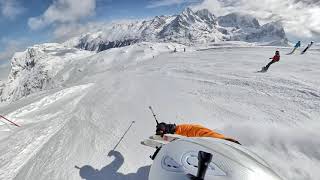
161, 129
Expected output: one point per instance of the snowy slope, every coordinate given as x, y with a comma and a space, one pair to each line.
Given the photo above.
274, 114
41, 67
34, 69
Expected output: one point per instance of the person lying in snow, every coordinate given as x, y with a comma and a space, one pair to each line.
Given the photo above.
190, 130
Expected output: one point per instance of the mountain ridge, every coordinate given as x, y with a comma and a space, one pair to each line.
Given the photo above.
188, 27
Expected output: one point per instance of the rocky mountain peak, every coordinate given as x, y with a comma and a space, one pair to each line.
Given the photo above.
187, 27
205, 14
238, 20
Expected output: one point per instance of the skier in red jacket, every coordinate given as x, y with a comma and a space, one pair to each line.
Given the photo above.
275, 58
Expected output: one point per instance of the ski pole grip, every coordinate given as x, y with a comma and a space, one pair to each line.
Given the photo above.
204, 160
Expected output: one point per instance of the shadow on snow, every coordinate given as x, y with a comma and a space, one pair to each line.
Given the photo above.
110, 171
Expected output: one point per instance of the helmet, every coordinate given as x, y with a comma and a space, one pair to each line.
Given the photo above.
163, 128
312, 42
229, 161
277, 52
87, 172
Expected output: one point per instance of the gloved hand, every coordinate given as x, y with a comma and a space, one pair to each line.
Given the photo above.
113, 153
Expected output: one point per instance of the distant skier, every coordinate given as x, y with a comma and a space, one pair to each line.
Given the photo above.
190, 130
275, 58
175, 50
298, 44
309, 45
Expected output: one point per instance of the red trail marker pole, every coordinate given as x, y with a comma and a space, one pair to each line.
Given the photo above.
9, 121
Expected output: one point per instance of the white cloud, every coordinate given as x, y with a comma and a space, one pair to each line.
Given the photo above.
11, 46
299, 17
63, 11
4, 71
5, 65
67, 31
159, 3
64, 32
10, 8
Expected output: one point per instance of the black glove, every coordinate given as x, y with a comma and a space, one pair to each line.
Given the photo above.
163, 128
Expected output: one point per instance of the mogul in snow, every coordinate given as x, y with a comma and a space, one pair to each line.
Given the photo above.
275, 59
190, 130
298, 44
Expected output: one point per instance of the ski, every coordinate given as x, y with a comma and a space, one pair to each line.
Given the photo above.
166, 137
154, 143
157, 141
263, 70
291, 51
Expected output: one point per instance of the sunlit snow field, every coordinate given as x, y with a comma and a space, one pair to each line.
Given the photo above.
275, 114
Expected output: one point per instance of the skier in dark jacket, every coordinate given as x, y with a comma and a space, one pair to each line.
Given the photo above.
309, 45
275, 58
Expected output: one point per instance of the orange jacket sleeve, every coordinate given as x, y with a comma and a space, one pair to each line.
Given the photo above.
198, 131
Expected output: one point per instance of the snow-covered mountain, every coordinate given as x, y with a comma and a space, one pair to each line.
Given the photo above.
33, 70
75, 101
48, 66
189, 27
1, 87
247, 28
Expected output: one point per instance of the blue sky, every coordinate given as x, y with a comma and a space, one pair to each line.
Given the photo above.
27, 22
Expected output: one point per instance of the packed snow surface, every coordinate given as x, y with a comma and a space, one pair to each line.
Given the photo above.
69, 132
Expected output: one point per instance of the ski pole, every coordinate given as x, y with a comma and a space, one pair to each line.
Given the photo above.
123, 135
9, 121
153, 114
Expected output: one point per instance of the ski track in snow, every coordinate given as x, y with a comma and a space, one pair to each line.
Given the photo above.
34, 144
274, 114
